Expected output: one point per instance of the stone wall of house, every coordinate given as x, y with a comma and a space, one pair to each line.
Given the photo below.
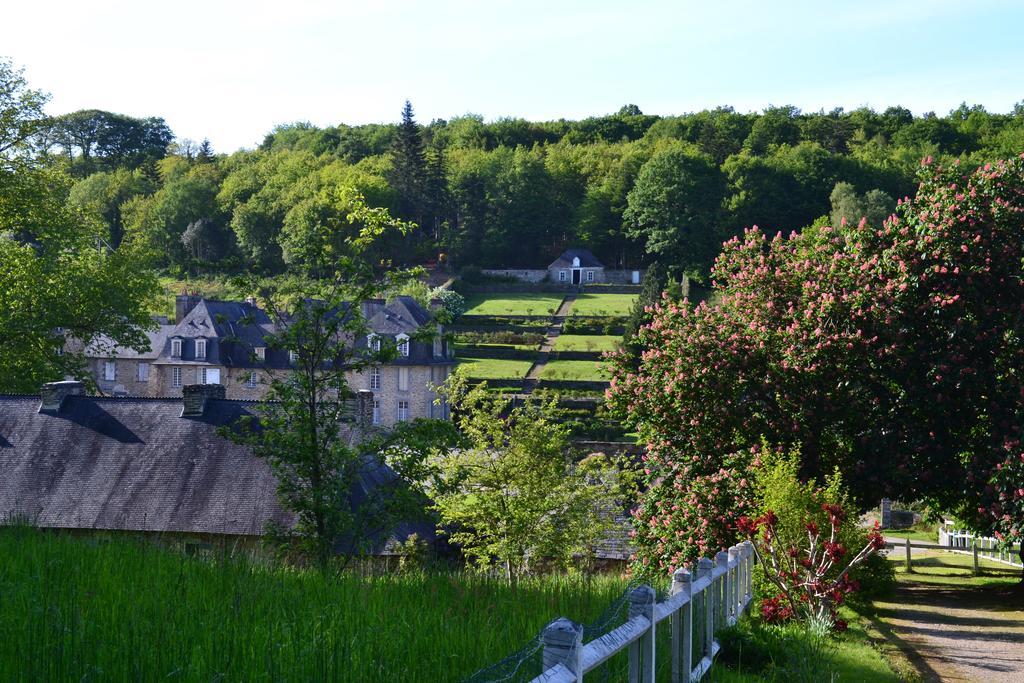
599, 275
524, 275
126, 377
419, 395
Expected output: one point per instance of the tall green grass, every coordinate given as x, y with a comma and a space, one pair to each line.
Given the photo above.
78, 609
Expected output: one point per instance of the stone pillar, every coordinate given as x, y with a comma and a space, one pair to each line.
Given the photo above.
364, 408
195, 397
54, 393
886, 513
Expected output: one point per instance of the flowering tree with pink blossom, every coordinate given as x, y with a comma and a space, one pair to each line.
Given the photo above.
894, 354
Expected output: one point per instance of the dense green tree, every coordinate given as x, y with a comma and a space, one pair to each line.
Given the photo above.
58, 281
676, 206
97, 140
874, 206
104, 194
514, 497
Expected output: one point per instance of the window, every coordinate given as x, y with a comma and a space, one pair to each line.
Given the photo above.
143, 372
253, 380
175, 377
373, 342
200, 348
403, 379
209, 375
175, 348
403, 345
293, 357
403, 411
438, 347
562, 276
261, 353
590, 276
109, 370
376, 411
375, 379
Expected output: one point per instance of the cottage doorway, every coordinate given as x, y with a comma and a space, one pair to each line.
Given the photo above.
575, 276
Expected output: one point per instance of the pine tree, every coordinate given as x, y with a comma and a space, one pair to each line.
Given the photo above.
408, 172
205, 153
438, 199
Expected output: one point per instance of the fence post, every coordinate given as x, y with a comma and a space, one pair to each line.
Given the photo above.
704, 566
974, 553
641, 652
734, 583
910, 569
748, 580
722, 594
563, 644
682, 629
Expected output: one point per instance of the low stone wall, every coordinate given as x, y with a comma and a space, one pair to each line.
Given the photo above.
622, 277
524, 275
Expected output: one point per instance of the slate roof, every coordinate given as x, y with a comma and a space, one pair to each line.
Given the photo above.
587, 259
403, 314
105, 347
134, 464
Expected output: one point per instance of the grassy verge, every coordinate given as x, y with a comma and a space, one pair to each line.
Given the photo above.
922, 535
71, 609
513, 304
755, 651
587, 342
494, 368
941, 568
618, 305
578, 370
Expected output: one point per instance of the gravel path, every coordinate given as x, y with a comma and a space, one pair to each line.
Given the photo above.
960, 634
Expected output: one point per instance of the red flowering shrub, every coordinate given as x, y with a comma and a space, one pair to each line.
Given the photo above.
812, 581
892, 354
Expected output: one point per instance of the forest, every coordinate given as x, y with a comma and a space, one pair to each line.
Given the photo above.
634, 188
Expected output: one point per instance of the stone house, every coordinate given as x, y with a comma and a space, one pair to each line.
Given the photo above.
226, 342
576, 267
151, 466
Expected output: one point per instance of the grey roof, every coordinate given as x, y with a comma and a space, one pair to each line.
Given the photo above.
402, 315
134, 464
105, 347
586, 257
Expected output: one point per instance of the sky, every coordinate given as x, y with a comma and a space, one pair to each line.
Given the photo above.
231, 71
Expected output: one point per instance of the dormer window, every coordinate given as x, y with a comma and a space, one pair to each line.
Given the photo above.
175, 348
261, 353
200, 349
293, 357
373, 343
402, 341
575, 261
438, 347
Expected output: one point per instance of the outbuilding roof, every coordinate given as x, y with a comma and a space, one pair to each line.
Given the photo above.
586, 257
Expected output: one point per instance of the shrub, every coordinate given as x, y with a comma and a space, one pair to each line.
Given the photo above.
796, 503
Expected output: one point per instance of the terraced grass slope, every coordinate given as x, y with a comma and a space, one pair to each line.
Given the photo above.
513, 304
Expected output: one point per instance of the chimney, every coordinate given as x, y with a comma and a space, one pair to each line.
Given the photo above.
54, 393
197, 395
183, 303
364, 408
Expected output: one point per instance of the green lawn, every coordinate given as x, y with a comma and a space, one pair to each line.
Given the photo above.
587, 342
619, 305
913, 534
494, 368
81, 610
513, 304
578, 370
951, 569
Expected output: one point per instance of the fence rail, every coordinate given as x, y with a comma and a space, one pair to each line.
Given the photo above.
964, 542
717, 592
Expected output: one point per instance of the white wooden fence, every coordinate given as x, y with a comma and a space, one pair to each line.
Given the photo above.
726, 590
966, 543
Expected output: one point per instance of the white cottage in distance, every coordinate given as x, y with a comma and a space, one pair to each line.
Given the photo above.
575, 267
